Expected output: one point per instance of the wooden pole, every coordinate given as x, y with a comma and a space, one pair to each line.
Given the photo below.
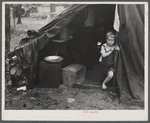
53, 7
7, 47
19, 14
12, 21
7, 29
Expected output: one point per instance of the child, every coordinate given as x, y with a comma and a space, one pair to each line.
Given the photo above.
107, 57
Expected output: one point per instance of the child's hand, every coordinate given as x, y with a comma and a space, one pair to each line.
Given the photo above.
112, 49
117, 47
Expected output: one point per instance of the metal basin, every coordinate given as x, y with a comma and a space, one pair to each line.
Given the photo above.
53, 59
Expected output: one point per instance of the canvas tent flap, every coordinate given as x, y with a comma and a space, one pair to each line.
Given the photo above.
66, 15
131, 40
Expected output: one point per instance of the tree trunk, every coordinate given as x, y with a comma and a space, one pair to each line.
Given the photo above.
12, 20
7, 47
7, 29
19, 14
53, 6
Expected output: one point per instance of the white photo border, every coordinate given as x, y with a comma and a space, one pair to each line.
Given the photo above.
75, 115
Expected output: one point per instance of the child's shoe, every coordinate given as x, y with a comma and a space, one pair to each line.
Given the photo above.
104, 86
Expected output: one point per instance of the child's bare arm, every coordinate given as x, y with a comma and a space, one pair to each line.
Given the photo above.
104, 53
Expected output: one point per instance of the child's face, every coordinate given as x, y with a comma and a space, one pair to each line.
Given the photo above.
110, 41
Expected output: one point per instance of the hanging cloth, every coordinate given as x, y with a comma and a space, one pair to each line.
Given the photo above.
90, 21
116, 20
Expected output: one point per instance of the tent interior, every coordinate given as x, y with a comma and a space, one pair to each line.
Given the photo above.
82, 48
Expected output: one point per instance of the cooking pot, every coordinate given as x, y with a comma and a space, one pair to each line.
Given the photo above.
53, 59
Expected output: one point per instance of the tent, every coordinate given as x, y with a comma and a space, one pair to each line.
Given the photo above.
130, 38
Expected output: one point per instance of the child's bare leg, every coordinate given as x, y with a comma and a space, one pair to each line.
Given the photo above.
107, 79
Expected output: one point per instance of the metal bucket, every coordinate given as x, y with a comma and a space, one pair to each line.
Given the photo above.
50, 72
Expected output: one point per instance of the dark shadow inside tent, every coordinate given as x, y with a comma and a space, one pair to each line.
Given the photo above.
82, 48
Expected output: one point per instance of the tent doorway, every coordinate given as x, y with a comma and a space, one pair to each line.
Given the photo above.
87, 27
82, 48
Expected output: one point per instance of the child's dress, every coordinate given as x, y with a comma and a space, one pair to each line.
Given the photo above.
106, 63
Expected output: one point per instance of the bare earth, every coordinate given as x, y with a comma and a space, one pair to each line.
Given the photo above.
63, 98
66, 98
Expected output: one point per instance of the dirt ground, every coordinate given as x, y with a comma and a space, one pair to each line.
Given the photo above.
63, 98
